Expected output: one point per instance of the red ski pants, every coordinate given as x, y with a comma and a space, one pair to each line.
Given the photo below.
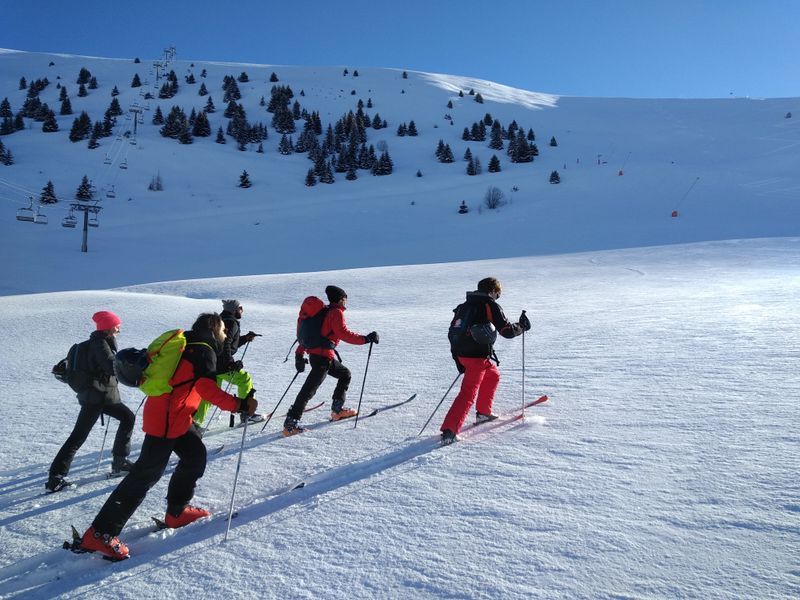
481, 378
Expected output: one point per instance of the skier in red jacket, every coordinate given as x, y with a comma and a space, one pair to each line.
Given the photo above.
168, 428
323, 358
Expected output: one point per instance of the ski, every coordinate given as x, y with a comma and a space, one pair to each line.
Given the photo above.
381, 409
502, 419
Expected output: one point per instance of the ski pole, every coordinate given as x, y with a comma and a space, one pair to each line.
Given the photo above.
290, 351
523, 371
361, 395
232, 419
236, 476
269, 418
103, 445
139, 407
440, 403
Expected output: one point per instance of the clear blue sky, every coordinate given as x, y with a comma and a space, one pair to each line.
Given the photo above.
639, 48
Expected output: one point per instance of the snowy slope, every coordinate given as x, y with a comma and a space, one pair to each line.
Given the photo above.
727, 166
663, 466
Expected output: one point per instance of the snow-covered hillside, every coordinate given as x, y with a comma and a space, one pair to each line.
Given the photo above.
727, 166
664, 465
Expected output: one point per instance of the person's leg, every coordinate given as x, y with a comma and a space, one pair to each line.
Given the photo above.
343, 376
128, 495
319, 371
122, 441
87, 417
191, 465
473, 375
491, 379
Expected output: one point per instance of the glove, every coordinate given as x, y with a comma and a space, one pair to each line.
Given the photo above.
459, 366
236, 365
372, 338
249, 404
248, 337
300, 363
524, 322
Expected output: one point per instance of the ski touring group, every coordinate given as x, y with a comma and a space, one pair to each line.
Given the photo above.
182, 374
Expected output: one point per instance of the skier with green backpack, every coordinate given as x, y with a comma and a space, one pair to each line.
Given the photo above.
168, 427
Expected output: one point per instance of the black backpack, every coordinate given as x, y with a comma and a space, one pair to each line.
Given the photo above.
74, 369
469, 323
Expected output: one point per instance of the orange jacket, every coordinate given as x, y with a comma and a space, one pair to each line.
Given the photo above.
335, 329
170, 415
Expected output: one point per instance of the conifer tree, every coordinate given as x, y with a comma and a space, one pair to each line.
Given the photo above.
478, 98
284, 147
84, 191
273, 79
401, 129
412, 129
81, 128
63, 94
496, 136
555, 177
468, 155
93, 83
93, 143
220, 136
136, 81
210, 108
190, 79
50, 124
352, 175
114, 92
494, 164
405, 75
201, 127
553, 141
83, 76
114, 108
243, 78
531, 136
449, 104
158, 116
22, 83
82, 93
260, 149
48, 195
369, 102
478, 167
471, 167
5, 109
202, 91
19, 122
244, 180
419, 173
311, 179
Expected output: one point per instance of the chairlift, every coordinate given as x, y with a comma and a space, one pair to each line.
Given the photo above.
107, 160
70, 221
133, 141
26, 214
93, 222
40, 218
110, 192
123, 164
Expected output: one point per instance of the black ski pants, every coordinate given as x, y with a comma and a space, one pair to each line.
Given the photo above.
147, 471
86, 420
321, 367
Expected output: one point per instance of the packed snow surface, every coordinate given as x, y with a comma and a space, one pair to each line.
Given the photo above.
664, 464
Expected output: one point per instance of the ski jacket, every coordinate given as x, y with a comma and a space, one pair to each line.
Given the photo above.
335, 329
170, 415
104, 389
231, 345
468, 347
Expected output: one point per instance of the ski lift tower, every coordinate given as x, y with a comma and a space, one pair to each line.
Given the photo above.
137, 114
169, 55
86, 207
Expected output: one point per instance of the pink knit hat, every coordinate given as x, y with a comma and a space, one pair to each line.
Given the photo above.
105, 319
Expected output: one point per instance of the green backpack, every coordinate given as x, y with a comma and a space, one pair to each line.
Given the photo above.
163, 355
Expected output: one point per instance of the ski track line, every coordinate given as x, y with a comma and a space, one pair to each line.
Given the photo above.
35, 574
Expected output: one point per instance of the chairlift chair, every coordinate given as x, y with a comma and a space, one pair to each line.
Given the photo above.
93, 222
110, 192
26, 214
40, 218
107, 160
123, 164
70, 221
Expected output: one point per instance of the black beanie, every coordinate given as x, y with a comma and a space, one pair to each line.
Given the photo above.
335, 293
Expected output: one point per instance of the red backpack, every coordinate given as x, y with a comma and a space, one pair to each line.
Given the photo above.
309, 324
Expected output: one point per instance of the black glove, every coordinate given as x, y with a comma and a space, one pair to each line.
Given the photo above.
372, 338
459, 366
524, 322
236, 365
300, 363
248, 404
248, 337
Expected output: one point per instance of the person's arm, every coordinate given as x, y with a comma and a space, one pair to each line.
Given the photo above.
340, 330
504, 326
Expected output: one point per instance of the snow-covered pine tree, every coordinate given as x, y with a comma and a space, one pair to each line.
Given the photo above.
244, 180
48, 195
494, 164
135, 82
84, 191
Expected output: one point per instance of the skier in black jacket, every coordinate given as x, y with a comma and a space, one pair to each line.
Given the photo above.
473, 353
101, 398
